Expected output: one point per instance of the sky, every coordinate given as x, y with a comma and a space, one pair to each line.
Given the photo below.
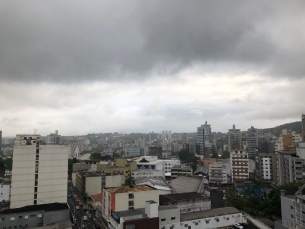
140, 66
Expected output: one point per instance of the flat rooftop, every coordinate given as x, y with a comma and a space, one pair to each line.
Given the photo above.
184, 184
131, 212
208, 213
135, 188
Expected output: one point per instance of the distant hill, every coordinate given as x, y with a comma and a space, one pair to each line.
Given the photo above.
293, 126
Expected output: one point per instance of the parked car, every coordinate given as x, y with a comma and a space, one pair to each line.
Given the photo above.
77, 207
237, 225
85, 217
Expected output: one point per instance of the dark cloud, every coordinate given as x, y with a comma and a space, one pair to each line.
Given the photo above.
68, 41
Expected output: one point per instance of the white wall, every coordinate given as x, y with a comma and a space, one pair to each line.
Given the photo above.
114, 181
93, 185
5, 192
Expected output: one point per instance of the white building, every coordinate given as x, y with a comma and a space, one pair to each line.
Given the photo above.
5, 191
218, 173
301, 150
39, 174
239, 165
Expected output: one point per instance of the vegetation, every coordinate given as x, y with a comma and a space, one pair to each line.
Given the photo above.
129, 181
99, 156
294, 126
251, 202
187, 157
225, 155
70, 165
8, 163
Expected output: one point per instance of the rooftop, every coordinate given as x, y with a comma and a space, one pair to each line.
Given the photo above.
131, 212
40, 207
158, 183
186, 184
98, 196
181, 196
135, 188
208, 213
202, 169
87, 173
166, 207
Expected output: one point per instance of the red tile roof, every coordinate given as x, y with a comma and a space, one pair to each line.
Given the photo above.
98, 196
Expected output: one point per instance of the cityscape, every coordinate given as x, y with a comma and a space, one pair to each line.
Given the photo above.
152, 114
203, 179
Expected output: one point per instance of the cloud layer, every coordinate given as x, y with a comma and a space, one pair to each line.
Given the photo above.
139, 66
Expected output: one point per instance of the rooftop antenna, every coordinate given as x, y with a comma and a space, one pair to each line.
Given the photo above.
35, 131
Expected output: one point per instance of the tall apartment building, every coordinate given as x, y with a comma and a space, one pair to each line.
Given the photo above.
126, 198
0, 139
252, 141
184, 138
234, 139
204, 137
239, 165
39, 174
265, 166
293, 210
303, 127
218, 173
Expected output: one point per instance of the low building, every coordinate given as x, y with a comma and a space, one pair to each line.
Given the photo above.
187, 202
92, 183
184, 184
180, 170
121, 166
96, 200
147, 173
202, 171
34, 215
157, 183
126, 198
134, 152
218, 173
5, 191
208, 161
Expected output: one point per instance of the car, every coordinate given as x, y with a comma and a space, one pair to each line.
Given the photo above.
77, 207
69, 196
90, 216
85, 217
237, 225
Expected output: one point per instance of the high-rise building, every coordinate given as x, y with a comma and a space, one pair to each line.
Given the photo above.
252, 141
40, 171
239, 165
0, 139
265, 166
303, 126
184, 138
204, 137
234, 139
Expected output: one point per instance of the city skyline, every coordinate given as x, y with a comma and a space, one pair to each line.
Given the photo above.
117, 67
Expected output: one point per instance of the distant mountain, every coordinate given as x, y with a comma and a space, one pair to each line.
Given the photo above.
293, 126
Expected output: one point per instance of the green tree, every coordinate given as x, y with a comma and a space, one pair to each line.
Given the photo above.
98, 156
8, 163
225, 155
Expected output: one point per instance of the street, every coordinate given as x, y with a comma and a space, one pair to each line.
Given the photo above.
79, 213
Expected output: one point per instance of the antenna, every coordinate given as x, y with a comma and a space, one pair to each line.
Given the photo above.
35, 131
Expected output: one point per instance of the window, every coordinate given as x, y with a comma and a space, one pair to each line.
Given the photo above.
189, 227
12, 218
20, 217
26, 216
163, 219
130, 203
131, 226
172, 218
39, 215
36, 176
32, 216
131, 196
2, 219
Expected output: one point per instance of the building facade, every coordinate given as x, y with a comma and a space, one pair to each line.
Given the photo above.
204, 137
180, 170
303, 126
265, 166
218, 173
252, 141
234, 139
39, 174
127, 198
5, 191
239, 165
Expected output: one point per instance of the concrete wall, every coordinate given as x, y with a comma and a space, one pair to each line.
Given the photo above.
55, 216
30, 219
286, 205
93, 185
5, 191
114, 181
170, 216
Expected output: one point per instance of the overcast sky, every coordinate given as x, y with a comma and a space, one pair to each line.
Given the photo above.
139, 66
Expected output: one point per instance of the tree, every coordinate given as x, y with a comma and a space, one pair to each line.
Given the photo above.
225, 155
98, 156
116, 155
8, 163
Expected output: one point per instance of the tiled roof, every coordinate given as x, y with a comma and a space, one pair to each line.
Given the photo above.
98, 196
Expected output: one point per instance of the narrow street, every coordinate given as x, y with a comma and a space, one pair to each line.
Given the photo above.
79, 213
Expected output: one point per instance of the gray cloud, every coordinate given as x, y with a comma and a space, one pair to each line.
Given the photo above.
66, 41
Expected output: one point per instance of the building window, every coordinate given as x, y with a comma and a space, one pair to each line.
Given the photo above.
12, 218
20, 217
2, 219
32, 216
163, 219
131, 226
131, 196
173, 218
